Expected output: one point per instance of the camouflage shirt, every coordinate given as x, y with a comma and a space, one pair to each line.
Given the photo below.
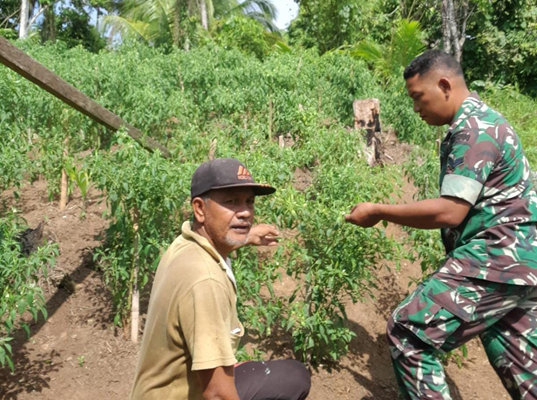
482, 162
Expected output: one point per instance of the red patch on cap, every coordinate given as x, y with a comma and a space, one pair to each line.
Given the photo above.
243, 173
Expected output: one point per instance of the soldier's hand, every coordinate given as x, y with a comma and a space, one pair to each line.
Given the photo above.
263, 235
363, 214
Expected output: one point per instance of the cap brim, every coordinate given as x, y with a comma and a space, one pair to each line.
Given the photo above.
259, 189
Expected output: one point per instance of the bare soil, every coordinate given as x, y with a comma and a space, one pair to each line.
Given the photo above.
78, 354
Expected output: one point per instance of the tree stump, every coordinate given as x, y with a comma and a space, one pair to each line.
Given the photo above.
367, 117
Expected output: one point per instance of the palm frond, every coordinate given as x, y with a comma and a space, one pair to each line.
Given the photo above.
407, 41
369, 51
267, 23
263, 11
114, 25
282, 47
264, 6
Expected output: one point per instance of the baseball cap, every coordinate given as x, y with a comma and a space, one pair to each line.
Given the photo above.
222, 173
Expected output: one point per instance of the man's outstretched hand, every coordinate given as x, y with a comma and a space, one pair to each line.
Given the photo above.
263, 235
364, 215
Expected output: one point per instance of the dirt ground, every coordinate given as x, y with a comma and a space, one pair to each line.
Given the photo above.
78, 353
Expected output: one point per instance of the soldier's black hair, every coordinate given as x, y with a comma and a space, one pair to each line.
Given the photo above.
432, 58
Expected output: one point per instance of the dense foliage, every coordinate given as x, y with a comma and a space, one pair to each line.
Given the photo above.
500, 35
501, 30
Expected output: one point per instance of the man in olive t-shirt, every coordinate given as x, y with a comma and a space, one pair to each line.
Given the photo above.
192, 329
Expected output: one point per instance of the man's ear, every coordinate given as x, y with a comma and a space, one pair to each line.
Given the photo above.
200, 208
445, 86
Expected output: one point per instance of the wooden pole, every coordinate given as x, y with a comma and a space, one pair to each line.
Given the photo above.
64, 183
439, 132
212, 149
135, 306
271, 110
281, 142
27, 67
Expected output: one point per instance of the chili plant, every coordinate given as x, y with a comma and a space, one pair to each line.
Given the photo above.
19, 277
145, 193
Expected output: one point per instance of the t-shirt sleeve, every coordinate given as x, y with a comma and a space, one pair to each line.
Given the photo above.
205, 317
469, 164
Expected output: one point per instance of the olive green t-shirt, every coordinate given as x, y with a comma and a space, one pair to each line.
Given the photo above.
192, 321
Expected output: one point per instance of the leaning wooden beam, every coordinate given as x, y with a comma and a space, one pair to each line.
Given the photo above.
26, 66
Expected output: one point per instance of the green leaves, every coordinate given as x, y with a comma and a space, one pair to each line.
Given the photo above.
389, 59
135, 181
19, 278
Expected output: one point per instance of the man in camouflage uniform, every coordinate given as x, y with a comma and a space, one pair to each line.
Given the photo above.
487, 211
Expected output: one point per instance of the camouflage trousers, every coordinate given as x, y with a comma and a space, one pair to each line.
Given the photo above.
446, 311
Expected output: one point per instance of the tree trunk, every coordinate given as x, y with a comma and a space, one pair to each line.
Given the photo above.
462, 37
204, 17
452, 21
48, 31
446, 33
25, 15
176, 33
454, 35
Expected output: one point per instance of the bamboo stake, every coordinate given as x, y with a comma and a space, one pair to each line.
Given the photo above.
281, 142
320, 100
438, 140
135, 305
64, 182
212, 149
271, 106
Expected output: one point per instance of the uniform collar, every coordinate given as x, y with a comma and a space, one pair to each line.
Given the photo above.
467, 107
189, 234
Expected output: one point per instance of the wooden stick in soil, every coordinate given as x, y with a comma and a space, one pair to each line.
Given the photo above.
271, 106
438, 140
27, 67
212, 149
64, 182
135, 305
281, 142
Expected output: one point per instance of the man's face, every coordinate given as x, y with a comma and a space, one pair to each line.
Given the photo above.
430, 94
229, 214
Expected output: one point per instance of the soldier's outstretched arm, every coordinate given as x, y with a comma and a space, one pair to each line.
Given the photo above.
443, 212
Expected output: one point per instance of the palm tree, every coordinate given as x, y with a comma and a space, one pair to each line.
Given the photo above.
160, 22
406, 43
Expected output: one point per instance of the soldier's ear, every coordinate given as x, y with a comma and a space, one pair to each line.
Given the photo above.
445, 86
